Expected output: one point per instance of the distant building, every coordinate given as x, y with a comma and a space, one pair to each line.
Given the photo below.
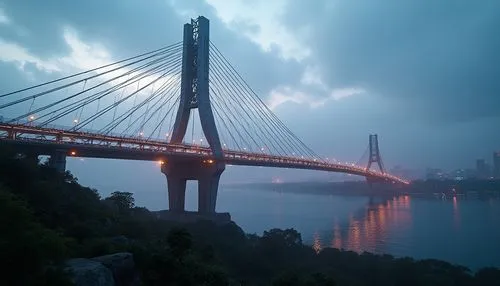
459, 174
496, 165
482, 169
436, 174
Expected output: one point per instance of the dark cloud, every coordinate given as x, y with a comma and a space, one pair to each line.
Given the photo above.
437, 58
131, 26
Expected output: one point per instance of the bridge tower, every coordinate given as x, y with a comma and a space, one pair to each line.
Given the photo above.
195, 95
374, 153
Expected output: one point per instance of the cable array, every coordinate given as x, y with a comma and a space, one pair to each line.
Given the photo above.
130, 97
244, 121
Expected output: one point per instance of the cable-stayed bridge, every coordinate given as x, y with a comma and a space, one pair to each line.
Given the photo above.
183, 105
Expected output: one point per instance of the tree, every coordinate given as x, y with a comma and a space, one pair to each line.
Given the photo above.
123, 200
288, 237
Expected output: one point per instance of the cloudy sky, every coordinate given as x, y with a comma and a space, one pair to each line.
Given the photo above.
421, 74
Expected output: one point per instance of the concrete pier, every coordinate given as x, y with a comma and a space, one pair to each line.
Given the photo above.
207, 172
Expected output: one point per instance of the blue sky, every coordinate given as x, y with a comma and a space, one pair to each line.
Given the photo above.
421, 74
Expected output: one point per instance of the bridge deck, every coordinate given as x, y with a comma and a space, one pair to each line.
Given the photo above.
87, 144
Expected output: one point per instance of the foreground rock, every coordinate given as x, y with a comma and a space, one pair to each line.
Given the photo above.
86, 272
109, 270
122, 267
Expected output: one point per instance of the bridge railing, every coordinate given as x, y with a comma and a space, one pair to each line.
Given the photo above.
82, 137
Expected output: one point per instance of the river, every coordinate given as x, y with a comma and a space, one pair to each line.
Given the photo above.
458, 230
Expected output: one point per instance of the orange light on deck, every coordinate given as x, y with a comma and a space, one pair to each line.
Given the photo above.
161, 162
72, 153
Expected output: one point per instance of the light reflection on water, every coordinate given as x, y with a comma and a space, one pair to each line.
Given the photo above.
368, 228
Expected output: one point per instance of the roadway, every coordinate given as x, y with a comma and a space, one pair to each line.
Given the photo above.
44, 141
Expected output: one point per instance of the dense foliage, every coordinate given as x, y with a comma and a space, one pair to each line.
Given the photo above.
47, 217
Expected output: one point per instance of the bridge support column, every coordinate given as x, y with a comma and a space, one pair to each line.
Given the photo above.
207, 193
206, 172
58, 160
176, 192
11, 134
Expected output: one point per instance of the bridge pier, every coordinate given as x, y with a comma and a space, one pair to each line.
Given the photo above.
57, 160
206, 172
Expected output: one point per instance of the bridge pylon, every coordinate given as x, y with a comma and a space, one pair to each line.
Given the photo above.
195, 95
374, 153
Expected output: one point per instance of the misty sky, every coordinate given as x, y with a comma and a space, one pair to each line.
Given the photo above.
421, 74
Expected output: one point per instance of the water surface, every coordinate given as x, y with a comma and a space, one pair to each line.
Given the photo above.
459, 230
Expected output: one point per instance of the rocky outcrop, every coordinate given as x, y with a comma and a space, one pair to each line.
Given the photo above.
122, 266
86, 272
109, 270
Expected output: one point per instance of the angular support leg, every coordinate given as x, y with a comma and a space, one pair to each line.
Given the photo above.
176, 193
207, 193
